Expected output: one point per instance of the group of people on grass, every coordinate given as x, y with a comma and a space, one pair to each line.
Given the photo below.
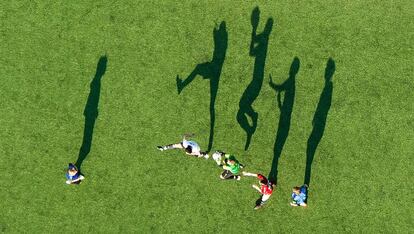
232, 170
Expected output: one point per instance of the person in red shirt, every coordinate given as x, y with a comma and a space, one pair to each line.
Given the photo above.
265, 189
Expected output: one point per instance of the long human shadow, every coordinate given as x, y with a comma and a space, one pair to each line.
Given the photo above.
91, 111
285, 107
319, 119
211, 71
258, 49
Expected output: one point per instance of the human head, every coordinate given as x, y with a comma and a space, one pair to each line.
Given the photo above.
72, 169
231, 159
262, 179
296, 189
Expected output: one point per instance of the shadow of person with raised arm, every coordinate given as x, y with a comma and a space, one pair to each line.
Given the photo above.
258, 49
319, 119
212, 71
91, 111
288, 87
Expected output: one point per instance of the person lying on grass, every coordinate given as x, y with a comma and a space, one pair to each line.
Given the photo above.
190, 147
73, 175
230, 165
299, 196
265, 189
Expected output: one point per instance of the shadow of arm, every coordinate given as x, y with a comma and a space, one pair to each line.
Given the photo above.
278, 89
275, 86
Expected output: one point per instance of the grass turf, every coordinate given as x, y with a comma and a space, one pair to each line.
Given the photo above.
361, 169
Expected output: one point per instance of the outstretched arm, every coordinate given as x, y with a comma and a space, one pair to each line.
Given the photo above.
245, 173
257, 188
81, 177
254, 20
275, 86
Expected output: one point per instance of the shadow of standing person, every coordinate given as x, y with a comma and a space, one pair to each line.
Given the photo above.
212, 71
258, 49
319, 119
91, 111
288, 87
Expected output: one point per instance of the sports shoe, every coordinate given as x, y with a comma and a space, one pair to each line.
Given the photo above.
257, 207
238, 177
206, 156
160, 148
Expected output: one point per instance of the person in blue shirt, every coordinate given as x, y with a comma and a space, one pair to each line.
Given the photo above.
299, 196
73, 175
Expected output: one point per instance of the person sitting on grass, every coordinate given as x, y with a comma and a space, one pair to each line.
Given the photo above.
299, 196
190, 147
73, 175
265, 189
231, 167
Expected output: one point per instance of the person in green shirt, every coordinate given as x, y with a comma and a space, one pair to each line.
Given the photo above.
231, 167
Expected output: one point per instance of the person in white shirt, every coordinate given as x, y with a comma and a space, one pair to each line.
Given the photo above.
190, 147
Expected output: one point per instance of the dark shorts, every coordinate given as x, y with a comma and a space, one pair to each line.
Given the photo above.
227, 174
259, 201
77, 182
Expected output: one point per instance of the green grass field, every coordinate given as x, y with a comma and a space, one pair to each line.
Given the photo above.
364, 150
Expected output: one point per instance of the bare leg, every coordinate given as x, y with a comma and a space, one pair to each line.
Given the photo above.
261, 201
171, 146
